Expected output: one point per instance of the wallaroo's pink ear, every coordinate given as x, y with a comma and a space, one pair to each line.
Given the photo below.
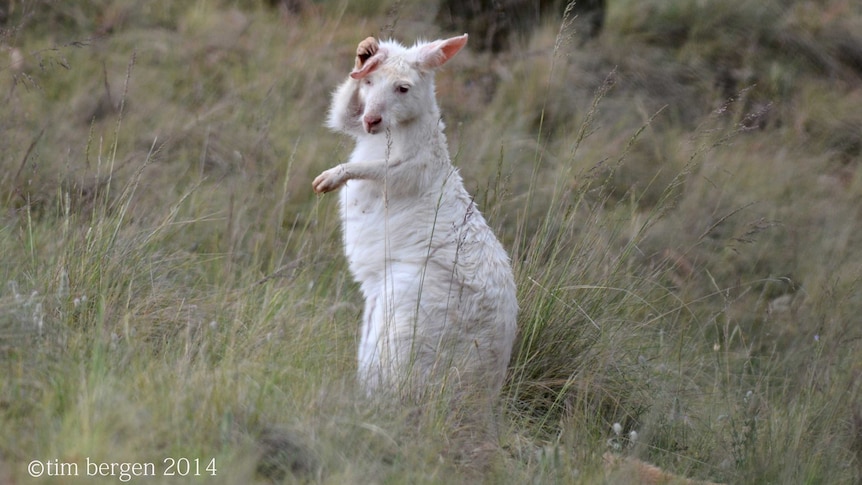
437, 53
369, 66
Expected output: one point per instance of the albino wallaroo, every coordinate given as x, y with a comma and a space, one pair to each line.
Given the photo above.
440, 303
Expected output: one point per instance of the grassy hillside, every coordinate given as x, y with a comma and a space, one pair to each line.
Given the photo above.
680, 196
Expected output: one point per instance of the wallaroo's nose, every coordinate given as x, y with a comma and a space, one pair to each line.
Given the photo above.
371, 122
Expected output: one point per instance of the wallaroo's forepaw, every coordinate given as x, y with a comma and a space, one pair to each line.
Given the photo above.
365, 50
329, 180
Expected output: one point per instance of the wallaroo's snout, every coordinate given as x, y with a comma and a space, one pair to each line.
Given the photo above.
372, 123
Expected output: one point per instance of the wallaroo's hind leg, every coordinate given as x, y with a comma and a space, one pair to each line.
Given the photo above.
369, 372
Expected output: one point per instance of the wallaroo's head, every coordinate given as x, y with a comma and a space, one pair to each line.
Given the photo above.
397, 83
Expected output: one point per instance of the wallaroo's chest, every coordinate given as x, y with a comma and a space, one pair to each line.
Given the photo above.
373, 208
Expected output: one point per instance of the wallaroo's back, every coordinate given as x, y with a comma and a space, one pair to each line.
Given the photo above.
440, 302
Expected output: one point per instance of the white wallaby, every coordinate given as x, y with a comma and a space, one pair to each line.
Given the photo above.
440, 303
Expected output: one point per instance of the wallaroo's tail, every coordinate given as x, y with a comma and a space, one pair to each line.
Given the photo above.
640, 472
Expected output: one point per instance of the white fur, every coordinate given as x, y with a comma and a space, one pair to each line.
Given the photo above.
440, 302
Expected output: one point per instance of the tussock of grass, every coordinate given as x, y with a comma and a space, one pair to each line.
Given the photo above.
678, 197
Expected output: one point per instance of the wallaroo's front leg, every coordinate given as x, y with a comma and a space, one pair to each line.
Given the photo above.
337, 176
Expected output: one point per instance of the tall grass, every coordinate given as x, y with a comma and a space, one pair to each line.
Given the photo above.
172, 289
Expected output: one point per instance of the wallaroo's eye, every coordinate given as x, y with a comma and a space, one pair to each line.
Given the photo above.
403, 88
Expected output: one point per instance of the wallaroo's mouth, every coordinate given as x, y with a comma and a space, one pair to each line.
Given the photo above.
372, 123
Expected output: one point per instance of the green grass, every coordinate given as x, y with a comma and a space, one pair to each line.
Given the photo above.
679, 196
